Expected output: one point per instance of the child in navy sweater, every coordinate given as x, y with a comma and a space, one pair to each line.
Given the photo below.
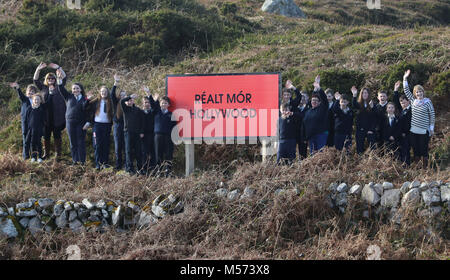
287, 126
163, 130
366, 120
133, 132
404, 107
343, 122
35, 127
148, 141
390, 127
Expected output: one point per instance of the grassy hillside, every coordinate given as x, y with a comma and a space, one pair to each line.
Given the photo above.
143, 41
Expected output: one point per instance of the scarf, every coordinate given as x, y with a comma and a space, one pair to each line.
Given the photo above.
422, 102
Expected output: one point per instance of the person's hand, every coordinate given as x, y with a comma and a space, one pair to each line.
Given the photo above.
116, 79
431, 132
337, 95
59, 74
141, 135
403, 134
317, 79
397, 85
146, 90
86, 126
391, 138
14, 85
42, 65
371, 103
133, 96
406, 75
53, 66
369, 132
89, 95
354, 91
289, 85
123, 94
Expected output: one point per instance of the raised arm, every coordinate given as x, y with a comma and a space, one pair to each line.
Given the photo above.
22, 96
59, 80
408, 93
397, 96
36, 81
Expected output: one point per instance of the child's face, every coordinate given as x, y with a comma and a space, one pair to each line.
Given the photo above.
390, 109
404, 102
164, 104
104, 92
76, 90
315, 102
130, 102
286, 96
30, 92
382, 97
146, 104
420, 94
329, 97
343, 103
284, 110
365, 95
36, 102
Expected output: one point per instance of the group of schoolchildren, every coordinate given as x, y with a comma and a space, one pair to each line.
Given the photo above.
328, 118
141, 135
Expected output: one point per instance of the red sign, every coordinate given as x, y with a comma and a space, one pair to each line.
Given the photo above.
225, 105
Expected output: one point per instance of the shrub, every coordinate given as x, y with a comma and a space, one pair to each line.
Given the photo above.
419, 74
440, 83
339, 79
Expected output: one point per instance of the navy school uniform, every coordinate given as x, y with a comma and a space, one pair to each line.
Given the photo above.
118, 133
25, 107
132, 127
287, 130
330, 139
75, 120
391, 127
343, 122
365, 121
35, 130
302, 143
380, 113
163, 140
316, 125
148, 141
405, 123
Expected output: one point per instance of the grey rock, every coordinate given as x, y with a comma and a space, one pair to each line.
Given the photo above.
233, 195
333, 187
61, 220
342, 187
24, 222
158, 211
431, 196
414, 184
341, 209
45, 202
445, 193
32, 200
72, 215
434, 184
283, 7
405, 187
76, 225
222, 192
26, 213
3, 212
424, 186
329, 201
365, 214
35, 226
436, 210
369, 195
248, 193
341, 199
68, 205
395, 216
379, 189
83, 213
28, 204
101, 204
47, 212
76, 206
7, 228
280, 191
96, 213
11, 211
178, 208
105, 214
387, 186
411, 198
146, 219
134, 206
58, 208
94, 218
355, 189
116, 215
88, 204
390, 198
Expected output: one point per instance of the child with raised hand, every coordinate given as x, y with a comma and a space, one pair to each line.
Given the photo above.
102, 108
133, 132
75, 118
315, 120
35, 126
55, 107
302, 108
287, 126
366, 120
119, 137
422, 120
163, 139
26, 100
404, 107
343, 122
380, 111
330, 97
287, 96
391, 130
148, 141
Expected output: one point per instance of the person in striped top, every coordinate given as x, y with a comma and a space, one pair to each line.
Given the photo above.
422, 120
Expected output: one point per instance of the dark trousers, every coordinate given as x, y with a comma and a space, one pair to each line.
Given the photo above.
302, 148
361, 136
56, 130
405, 147
148, 152
34, 144
342, 140
286, 150
164, 151
132, 151
317, 142
419, 144
119, 144
100, 136
77, 138
25, 146
330, 138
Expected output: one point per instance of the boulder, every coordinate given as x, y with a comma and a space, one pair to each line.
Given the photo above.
414, 184
283, 7
411, 198
390, 198
369, 195
342, 187
445, 193
35, 226
58, 208
45, 202
379, 189
3, 212
24, 205
355, 189
101, 204
24, 222
61, 220
341, 199
76, 225
233, 195
424, 186
72, 215
405, 187
431, 197
116, 215
146, 219
8, 228
248, 193
88, 204
26, 213
387, 186
222, 192
333, 187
